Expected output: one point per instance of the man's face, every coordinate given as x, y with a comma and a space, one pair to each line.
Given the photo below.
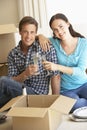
28, 34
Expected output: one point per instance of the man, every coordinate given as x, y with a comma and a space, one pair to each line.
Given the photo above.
22, 71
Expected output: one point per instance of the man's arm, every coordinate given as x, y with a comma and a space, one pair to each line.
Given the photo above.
21, 77
29, 71
55, 84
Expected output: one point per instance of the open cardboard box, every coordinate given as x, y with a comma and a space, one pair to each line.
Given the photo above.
38, 112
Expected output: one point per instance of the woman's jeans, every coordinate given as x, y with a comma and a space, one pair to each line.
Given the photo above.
10, 89
80, 94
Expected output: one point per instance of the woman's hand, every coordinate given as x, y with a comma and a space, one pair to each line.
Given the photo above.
44, 42
50, 66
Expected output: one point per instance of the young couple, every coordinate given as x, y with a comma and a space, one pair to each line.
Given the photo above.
68, 69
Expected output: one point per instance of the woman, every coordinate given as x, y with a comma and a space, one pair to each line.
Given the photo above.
71, 48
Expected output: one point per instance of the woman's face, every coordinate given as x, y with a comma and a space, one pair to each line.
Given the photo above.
60, 28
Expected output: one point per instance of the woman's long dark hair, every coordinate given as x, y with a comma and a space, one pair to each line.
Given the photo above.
63, 17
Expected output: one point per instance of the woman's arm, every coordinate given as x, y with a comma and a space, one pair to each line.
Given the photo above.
44, 42
52, 66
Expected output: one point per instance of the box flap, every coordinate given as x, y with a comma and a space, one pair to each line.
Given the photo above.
63, 104
7, 28
27, 112
11, 103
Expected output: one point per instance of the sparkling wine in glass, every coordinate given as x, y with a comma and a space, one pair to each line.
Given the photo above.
44, 59
36, 60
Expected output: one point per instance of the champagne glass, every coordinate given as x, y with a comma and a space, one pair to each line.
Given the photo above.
36, 60
44, 59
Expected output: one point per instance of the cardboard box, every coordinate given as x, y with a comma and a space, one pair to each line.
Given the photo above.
3, 69
7, 40
38, 112
7, 28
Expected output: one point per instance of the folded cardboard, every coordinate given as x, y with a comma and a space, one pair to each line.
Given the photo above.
7, 40
3, 69
7, 28
38, 112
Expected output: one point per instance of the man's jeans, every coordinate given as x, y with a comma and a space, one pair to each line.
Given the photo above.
10, 89
80, 94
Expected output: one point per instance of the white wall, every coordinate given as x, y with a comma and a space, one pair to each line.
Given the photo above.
75, 10
9, 12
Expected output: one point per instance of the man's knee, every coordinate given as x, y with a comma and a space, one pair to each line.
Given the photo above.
3, 79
